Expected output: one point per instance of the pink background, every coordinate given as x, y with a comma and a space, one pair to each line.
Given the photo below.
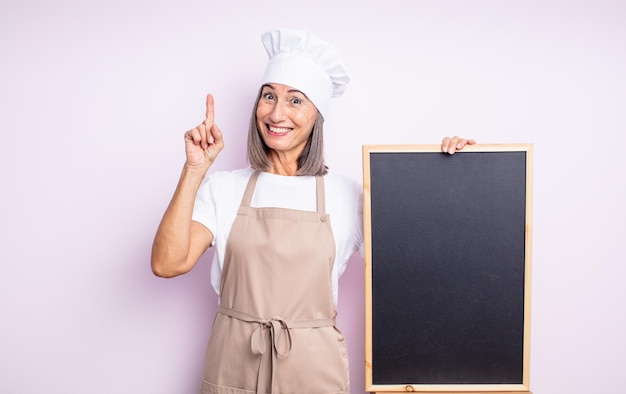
94, 100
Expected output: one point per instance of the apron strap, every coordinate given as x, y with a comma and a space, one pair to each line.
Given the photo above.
247, 194
272, 328
321, 204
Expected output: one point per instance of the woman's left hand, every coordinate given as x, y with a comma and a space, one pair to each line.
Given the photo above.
452, 144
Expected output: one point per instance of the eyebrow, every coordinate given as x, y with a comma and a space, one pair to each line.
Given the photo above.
269, 85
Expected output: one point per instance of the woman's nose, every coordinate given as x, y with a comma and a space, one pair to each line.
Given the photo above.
278, 113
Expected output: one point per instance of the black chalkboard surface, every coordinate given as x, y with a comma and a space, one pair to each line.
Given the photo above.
447, 250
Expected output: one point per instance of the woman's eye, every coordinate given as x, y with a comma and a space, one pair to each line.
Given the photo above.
296, 100
268, 96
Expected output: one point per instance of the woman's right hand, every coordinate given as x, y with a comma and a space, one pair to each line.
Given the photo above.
205, 142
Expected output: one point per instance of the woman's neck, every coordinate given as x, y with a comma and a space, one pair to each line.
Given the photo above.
282, 165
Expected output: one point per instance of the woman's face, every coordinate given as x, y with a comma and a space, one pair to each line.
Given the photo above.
285, 118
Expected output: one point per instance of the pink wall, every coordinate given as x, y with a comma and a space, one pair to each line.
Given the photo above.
95, 98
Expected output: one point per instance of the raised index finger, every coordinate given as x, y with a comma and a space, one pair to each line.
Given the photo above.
210, 110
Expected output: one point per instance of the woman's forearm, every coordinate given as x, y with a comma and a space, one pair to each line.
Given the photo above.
178, 244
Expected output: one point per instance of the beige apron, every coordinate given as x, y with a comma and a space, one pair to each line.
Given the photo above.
275, 327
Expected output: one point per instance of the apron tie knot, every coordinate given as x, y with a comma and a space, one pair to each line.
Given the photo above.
276, 326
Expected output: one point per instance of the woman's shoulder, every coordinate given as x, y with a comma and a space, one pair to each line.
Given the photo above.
342, 182
345, 202
230, 177
342, 190
226, 184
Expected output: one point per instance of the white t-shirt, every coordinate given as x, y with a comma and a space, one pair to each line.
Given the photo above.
220, 196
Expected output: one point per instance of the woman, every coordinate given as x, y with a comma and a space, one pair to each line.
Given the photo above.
283, 230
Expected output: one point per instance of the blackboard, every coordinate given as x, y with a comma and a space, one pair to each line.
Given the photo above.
447, 254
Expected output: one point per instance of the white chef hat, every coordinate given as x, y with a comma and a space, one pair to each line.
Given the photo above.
307, 63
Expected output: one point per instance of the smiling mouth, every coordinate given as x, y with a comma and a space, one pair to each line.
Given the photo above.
278, 130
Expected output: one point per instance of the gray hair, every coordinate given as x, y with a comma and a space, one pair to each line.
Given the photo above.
311, 160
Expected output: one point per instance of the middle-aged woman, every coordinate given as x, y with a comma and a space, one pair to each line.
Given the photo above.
283, 229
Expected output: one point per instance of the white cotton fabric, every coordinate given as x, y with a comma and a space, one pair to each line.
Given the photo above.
307, 63
220, 196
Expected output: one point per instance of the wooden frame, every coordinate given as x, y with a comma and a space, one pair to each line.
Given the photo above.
518, 386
